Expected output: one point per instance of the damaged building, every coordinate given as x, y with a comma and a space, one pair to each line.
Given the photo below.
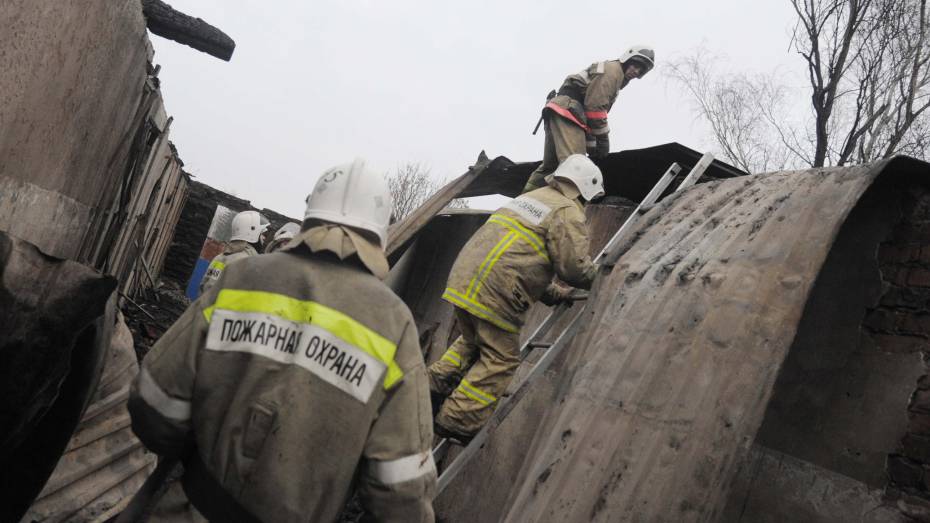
91, 189
756, 353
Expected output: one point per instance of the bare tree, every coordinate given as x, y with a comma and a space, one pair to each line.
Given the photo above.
742, 111
411, 185
867, 63
868, 67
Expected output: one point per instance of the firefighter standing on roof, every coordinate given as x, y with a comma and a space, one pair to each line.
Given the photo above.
576, 118
247, 238
297, 375
503, 269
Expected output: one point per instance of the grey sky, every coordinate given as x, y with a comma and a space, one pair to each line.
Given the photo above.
313, 84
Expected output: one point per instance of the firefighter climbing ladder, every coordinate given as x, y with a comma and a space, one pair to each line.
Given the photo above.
606, 259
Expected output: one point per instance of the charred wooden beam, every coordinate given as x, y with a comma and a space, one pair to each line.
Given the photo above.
167, 22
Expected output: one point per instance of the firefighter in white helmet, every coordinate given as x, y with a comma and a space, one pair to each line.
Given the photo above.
247, 238
503, 269
576, 118
296, 376
282, 236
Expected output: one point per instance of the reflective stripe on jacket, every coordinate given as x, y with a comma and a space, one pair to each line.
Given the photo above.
585, 98
235, 250
510, 260
293, 375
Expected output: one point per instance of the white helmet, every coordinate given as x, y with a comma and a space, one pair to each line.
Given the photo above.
287, 231
643, 55
248, 226
354, 195
582, 172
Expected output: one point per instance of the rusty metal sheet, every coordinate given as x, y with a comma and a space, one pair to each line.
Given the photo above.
666, 385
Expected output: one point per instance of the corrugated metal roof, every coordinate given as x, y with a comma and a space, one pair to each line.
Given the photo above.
666, 385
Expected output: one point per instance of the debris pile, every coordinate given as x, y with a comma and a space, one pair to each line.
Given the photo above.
152, 312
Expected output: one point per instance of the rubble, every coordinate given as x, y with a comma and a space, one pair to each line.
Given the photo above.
152, 313
53, 348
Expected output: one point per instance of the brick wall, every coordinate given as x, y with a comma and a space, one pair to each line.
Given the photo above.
901, 324
194, 224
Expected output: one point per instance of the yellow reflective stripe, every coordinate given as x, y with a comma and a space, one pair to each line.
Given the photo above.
513, 238
478, 310
484, 264
453, 357
304, 311
472, 396
531, 237
216, 264
475, 393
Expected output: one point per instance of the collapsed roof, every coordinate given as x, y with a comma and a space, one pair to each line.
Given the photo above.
628, 174
653, 410
749, 358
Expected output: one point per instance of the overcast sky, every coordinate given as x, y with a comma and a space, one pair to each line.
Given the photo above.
314, 84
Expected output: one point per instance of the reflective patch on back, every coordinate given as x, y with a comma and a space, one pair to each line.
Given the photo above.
213, 273
531, 210
311, 347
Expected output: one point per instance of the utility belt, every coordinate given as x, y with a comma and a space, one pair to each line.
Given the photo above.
576, 117
209, 496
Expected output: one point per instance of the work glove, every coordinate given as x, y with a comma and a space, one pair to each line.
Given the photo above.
602, 148
556, 294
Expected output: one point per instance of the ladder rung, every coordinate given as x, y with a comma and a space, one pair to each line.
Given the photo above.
539, 345
643, 209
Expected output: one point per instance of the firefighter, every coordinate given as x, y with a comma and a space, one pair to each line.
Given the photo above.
297, 375
247, 239
282, 236
576, 118
503, 269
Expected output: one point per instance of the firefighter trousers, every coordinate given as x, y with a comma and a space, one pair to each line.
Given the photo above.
563, 139
473, 373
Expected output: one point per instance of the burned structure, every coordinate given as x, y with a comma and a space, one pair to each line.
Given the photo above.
90, 191
755, 355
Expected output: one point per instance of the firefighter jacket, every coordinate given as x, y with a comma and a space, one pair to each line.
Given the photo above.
510, 260
235, 250
296, 374
586, 98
